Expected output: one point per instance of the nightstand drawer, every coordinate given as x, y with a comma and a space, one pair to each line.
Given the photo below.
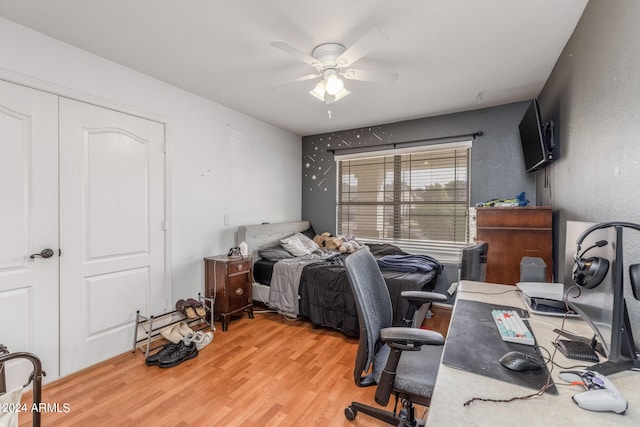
236, 267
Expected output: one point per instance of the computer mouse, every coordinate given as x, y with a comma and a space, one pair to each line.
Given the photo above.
518, 361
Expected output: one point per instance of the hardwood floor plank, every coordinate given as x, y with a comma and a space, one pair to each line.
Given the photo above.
266, 371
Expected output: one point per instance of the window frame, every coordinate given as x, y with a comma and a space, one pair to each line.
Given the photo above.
446, 250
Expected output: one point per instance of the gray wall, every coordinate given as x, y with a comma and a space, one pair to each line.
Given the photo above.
594, 94
497, 165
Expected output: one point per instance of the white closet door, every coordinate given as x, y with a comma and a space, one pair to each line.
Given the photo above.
28, 224
111, 228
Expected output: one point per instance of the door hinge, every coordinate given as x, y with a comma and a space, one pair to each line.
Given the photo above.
163, 225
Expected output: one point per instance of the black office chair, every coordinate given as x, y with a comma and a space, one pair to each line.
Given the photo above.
403, 360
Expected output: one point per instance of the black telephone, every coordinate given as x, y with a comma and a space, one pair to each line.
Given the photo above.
234, 252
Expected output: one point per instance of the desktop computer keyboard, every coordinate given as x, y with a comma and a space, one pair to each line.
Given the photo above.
512, 328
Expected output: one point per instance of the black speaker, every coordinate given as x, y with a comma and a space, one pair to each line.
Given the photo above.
590, 272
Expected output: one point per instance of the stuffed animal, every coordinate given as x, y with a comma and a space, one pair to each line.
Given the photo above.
349, 246
327, 241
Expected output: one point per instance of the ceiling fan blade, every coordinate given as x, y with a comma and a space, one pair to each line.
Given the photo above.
295, 52
366, 44
299, 79
370, 76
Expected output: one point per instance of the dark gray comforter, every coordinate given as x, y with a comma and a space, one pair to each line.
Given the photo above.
326, 297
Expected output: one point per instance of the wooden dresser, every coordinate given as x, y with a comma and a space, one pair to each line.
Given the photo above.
228, 282
513, 233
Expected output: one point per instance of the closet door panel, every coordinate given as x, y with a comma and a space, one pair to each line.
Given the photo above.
112, 230
28, 224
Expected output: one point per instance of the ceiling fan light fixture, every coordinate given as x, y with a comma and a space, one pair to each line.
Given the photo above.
342, 94
334, 84
319, 90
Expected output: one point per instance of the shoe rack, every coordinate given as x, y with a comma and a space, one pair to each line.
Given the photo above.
147, 329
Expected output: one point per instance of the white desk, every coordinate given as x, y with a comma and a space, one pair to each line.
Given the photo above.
454, 386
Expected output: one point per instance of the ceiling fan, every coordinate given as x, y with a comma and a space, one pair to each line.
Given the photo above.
332, 61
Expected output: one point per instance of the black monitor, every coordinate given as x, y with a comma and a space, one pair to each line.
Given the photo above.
602, 306
473, 265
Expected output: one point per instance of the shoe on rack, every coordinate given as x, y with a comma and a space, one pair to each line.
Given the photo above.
172, 334
201, 339
199, 309
181, 353
183, 307
154, 359
184, 329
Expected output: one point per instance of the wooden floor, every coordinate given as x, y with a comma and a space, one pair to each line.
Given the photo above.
267, 371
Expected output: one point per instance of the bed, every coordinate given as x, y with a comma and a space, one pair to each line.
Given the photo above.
316, 287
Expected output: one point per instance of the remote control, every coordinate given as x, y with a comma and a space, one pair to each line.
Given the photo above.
600, 394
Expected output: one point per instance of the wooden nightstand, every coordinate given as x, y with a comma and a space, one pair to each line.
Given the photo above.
228, 283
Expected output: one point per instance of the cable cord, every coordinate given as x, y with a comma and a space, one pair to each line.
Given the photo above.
548, 384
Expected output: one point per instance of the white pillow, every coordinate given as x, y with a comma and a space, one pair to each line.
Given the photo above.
299, 244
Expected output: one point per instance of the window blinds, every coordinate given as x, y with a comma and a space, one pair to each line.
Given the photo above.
420, 196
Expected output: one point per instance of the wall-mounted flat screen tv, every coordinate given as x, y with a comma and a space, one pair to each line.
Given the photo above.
536, 138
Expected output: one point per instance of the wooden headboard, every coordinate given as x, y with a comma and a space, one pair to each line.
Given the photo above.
260, 236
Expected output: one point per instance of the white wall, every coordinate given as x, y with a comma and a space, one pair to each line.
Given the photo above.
221, 162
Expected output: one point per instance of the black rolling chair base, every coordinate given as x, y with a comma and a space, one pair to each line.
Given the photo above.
351, 411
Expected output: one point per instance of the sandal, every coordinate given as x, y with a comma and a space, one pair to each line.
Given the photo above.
200, 311
186, 309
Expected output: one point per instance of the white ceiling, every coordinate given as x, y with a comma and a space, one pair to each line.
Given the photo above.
451, 55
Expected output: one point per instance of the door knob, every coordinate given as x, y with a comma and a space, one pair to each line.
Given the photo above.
46, 253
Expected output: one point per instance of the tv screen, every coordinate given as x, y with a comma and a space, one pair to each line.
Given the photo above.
534, 147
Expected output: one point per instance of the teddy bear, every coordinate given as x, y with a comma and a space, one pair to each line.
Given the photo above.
327, 241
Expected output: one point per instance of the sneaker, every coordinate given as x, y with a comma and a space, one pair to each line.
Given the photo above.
201, 339
182, 352
154, 359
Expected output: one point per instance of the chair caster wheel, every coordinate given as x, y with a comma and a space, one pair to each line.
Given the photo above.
350, 413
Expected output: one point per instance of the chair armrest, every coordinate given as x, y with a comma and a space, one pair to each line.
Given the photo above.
421, 297
410, 338
415, 300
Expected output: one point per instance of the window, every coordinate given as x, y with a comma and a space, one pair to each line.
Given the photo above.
419, 198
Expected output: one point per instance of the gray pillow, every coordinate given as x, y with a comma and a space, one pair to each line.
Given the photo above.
274, 253
299, 244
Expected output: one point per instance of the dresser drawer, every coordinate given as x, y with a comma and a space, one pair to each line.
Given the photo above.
517, 217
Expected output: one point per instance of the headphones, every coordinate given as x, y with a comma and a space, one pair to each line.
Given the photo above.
590, 272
